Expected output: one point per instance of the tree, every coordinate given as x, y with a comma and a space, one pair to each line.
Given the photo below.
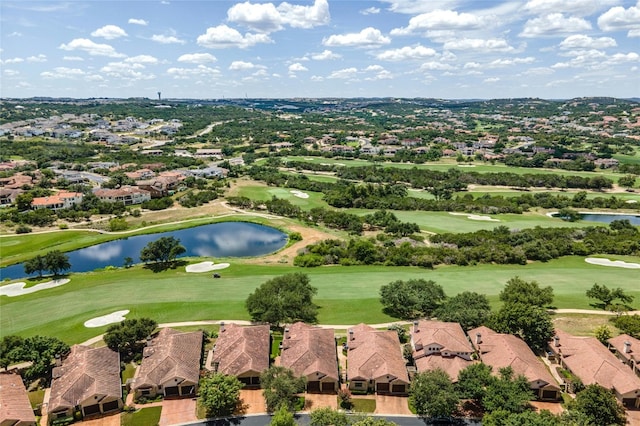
606, 295
128, 338
128, 262
473, 382
603, 333
628, 324
10, 350
627, 181
508, 393
283, 299
531, 323
57, 262
164, 250
36, 264
219, 394
280, 386
525, 418
518, 290
325, 416
569, 215
41, 350
282, 417
411, 299
469, 309
432, 394
599, 405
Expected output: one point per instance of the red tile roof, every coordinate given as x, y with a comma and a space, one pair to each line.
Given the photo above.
309, 350
14, 402
630, 353
240, 350
373, 354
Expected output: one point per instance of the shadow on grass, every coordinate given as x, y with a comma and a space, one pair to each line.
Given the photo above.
163, 266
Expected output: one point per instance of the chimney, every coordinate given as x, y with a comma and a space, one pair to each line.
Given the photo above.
415, 327
351, 335
627, 347
556, 341
478, 338
286, 333
221, 326
216, 365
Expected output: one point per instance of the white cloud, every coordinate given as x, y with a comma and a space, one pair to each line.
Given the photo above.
242, 65
499, 63
625, 57
72, 58
142, 59
325, 55
618, 18
15, 34
297, 67
472, 65
136, 21
39, 58
11, 73
370, 11
199, 71
368, 37
539, 71
62, 72
14, 61
436, 66
413, 7
317, 78
164, 39
222, 36
476, 44
575, 7
267, 18
94, 49
580, 41
441, 20
406, 53
554, 24
109, 32
491, 80
197, 58
583, 58
344, 73
126, 71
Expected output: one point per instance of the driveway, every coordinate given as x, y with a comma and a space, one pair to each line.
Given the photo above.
554, 407
176, 411
392, 405
110, 420
253, 401
313, 401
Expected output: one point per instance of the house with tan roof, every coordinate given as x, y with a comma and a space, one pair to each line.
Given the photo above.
627, 349
128, 195
592, 362
62, 200
499, 350
170, 365
375, 361
88, 379
311, 352
442, 345
15, 408
242, 351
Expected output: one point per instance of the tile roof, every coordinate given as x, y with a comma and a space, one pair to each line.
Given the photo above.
119, 192
242, 349
308, 350
84, 373
592, 362
373, 354
14, 401
632, 353
500, 350
171, 354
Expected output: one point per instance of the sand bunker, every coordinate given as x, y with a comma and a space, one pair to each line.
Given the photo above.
111, 318
476, 217
299, 194
466, 165
17, 289
607, 262
631, 201
206, 267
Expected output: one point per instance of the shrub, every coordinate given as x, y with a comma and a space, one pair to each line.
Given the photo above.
23, 229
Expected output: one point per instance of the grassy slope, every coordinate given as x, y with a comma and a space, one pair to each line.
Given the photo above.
346, 295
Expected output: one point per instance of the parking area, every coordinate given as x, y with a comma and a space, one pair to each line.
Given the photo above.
314, 401
175, 411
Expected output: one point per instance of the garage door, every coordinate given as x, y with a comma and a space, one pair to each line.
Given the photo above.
549, 394
188, 390
382, 387
328, 387
91, 409
398, 389
313, 386
171, 390
110, 406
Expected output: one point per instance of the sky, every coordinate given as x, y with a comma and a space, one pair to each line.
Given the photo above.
451, 49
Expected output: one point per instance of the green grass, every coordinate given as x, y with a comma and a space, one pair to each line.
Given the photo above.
36, 397
362, 405
260, 192
145, 416
346, 295
128, 372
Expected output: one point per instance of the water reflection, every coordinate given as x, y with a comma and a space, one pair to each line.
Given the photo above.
226, 239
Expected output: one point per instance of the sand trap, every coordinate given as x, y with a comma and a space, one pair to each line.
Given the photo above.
466, 165
607, 262
476, 217
111, 318
299, 194
17, 289
631, 201
206, 267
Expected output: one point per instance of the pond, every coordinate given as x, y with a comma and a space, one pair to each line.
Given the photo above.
225, 239
608, 218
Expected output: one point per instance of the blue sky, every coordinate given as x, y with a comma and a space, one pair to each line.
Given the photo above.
320, 48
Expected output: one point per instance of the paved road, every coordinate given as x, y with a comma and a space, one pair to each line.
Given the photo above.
303, 420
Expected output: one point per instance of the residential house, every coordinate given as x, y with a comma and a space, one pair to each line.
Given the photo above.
170, 365
89, 380
311, 352
208, 172
499, 350
440, 345
128, 195
208, 153
627, 349
242, 352
606, 163
140, 174
15, 408
592, 362
8, 196
62, 200
375, 361
152, 152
